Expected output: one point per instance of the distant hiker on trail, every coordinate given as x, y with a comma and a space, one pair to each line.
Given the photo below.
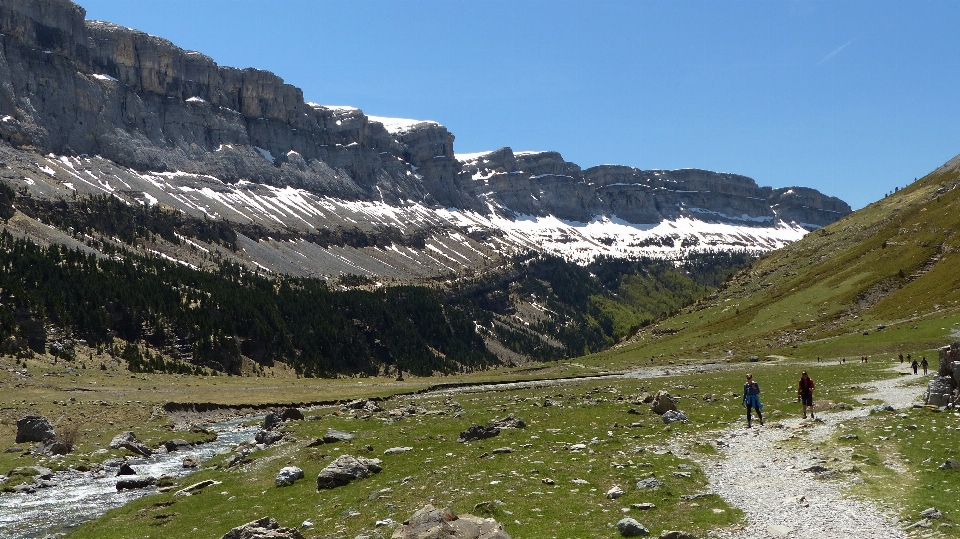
908, 357
901, 357
805, 394
751, 399
914, 365
924, 364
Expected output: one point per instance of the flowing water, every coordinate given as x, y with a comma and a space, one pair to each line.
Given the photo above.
78, 497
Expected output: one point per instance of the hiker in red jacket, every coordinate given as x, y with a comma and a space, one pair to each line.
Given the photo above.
805, 394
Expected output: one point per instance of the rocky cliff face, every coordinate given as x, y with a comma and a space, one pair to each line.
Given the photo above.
544, 184
171, 127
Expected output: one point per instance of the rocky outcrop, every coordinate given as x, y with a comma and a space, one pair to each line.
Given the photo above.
542, 183
942, 389
142, 102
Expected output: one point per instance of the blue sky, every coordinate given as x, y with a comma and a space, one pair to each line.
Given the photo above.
852, 98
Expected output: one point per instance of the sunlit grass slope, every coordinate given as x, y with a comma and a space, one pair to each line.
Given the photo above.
892, 264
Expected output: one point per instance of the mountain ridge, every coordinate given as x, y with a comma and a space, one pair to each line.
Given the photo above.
171, 127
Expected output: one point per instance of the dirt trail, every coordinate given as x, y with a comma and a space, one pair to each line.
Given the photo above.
779, 498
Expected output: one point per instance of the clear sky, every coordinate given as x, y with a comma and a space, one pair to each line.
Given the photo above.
852, 98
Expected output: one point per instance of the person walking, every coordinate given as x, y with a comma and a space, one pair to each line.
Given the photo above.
901, 357
924, 364
751, 399
805, 394
914, 366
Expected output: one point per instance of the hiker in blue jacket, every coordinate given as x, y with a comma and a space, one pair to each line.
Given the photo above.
751, 399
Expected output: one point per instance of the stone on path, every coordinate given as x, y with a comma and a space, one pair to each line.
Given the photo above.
777, 530
34, 428
629, 527
265, 528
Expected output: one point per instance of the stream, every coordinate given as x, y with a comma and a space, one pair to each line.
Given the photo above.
81, 496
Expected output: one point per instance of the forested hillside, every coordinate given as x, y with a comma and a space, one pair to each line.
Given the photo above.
161, 315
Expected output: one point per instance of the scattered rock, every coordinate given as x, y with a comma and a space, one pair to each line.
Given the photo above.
932, 513
34, 428
395, 450
649, 483
629, 527
950, 464
547, 481
676, 535
176, 445
333, 436
430, 523
502, 450
135, 482
346, 468
478, 432
125, 469
849, 437
674, 416
662, 403
615, 492
882, 408
268, 437
188, 491
509, 422
643, 506
288, 476
273, 419
265, 528
191, 462
37, 472
129, 441
816, 468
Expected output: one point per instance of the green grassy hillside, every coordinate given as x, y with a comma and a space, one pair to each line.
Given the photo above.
884, 279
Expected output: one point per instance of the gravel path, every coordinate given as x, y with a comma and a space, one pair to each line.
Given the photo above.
778, 498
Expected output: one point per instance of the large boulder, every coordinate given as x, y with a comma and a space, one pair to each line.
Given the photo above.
939, 391
274, 419
478, 432
34, 428
267, 437
662, 403
265, 528
430, 523
129, 441
629, 527
345, 469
